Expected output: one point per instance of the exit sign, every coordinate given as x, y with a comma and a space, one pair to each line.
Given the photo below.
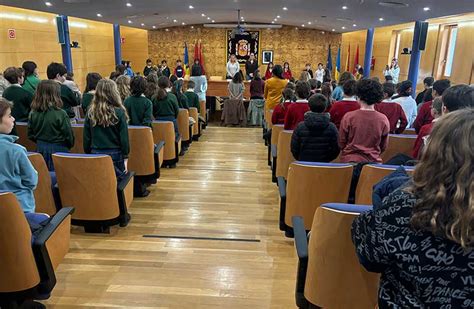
11, 34
122, 40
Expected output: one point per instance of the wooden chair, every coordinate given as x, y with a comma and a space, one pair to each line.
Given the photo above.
88, 183
409, 131
276, 129
163, 131
80, 121
329, 273
27, 263
183, 126
285, 157
22, 131
44, 198
370, 175
203, 112
309, 185
399, 144
193, 112
78, 130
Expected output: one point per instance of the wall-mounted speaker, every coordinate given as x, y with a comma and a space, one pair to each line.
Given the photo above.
60, 26
423, 35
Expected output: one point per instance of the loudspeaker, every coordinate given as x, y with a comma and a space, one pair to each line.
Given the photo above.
60, 26
423, 35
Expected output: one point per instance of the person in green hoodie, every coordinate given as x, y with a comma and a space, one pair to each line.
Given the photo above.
48, 124
177, 90
91, 83
193, 98
165, 104
57, 72
106, 128
20, 97
31, 76
139, 108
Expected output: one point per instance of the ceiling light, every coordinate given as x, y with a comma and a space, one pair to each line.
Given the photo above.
208, 18
154, 27
344, 7
167, 29
213, 21
278, 16
302, 25
183, 23
343, 27
309, 23
203, 15
333, 30
142, 24
48, 4
381, 19
426, 9
354, 25
129, 21
175, 21
273, 22
285, 8
128, 4
192, 27
191, 7
322, 32
99, 15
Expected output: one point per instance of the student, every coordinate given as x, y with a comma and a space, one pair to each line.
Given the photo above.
139, 108
326, 90
232, 67
348, 103
105, 127
236, 87
20, 97
297, 110
304, 76
191, 96
31, 76
91, 83
177, 90
200, 81
123, 86
179, 71
120, 70
360, 73
57, 72
420, 240
72, 84
363, 134
165, 104
274, 87
269, 71
307, 68
48, 124
424, 116
148, 67
428, 84
128, 68
4, 84
394, 112
287, 71
165, 70
17, 174
316, 138
421, 139
338, 92
313, 85
251, 65
406, 101
279, 112
257, 87
319, 74
151, 85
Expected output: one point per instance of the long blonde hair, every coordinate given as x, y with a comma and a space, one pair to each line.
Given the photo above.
123, 86
443, 182
106, 99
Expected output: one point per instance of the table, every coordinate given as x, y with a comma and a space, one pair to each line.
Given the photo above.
218, 88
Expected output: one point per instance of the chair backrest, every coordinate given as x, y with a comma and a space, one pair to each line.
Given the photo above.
312, 184
87, 183
193, 112
398, 143
80, 120
202, 107
409, 131
141, 157
78, 130
335, 278
183, 124
18, 270
44, 200
22, 131
276, 129
284, 155
370, 175
164, 131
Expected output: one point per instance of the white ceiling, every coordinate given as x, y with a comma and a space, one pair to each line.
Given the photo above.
322, 14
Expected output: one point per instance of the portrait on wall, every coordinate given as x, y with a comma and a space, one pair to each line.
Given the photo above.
242, 45
267, 56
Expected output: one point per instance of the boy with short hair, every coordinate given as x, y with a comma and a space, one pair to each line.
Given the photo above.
363, 134
316, 138
20, 97
424, 115
436, 112
57, 72
165, 70
193, 98
394, 112
297, 109
428, 83
148, 67
179, 71
347, 104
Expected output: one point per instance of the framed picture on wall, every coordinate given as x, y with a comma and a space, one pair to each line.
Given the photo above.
267, 56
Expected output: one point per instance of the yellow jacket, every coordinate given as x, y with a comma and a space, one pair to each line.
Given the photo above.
273, 91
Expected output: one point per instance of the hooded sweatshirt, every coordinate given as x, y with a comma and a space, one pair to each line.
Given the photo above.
315, 139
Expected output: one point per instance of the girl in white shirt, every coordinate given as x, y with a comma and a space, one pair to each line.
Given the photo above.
232, 67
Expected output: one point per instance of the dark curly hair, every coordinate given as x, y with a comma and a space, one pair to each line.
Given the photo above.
349, 87
369, 91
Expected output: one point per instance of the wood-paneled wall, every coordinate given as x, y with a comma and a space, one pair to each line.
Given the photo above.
288, 44
36, 38
135, 47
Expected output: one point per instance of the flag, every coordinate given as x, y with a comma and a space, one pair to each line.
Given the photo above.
201, 57
186, 60
338, 64
356, 60
348, 69
329, 62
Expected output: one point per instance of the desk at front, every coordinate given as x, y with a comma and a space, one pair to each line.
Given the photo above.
218, 88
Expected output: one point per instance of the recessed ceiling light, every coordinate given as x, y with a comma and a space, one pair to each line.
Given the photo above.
183, 23
381, 19
128, 4
344, 7
273, 22
354, 25
309, 23
203, 15
343, 27
302, 25
192, 27
208, 18
278, 16
130, 22
213, 21
167, 29
142, 24
48, 4
99, 15
333, 30
322, 32
285, 8
191, 7
154, 27
426, 9
175, 21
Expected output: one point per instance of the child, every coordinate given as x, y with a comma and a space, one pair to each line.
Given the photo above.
57, 72
177, 90
269, 71
279, 112
319, 74
105, 127
139, 108
287, 71
48, 124
257, 86
406, 101
297, 110
148, 68
31, 76
315, 139
193, 98
165, 104
428, 84
17, 174
421, 140
72, 84
123, 86
91, 83
424, 116
164, 69
363, 134
236, 87
307, 68
394, 112
179, 71
338, 93
348, 103
20, 97
151, 85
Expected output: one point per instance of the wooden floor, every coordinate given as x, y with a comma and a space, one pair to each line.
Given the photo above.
221, 189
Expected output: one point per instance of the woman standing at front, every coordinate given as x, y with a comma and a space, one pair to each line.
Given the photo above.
232, 67
274, 88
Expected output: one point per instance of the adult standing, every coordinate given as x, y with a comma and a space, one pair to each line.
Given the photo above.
232, 67
199, 80
394, 71
251, 66
274, 87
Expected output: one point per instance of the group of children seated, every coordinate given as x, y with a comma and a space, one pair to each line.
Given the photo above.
50, 108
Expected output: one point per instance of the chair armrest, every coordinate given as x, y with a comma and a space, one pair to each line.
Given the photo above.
281, 182
301, 240
274, 150
124, 182
158, 146
53, 224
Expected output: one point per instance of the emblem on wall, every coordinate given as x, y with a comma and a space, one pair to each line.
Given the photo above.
242, 45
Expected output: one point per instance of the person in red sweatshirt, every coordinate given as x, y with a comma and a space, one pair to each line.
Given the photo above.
279, 112
394, 112
363, 134
425, 131
349, 103
297, 110
424, 114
